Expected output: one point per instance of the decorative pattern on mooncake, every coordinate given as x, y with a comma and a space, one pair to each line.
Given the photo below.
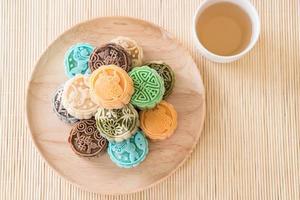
86, 140
76, 98
160, 122
129, 153
117, 124
110, 54
76, 59
133, 49
148, 87
59, 109
111, 87
166, 73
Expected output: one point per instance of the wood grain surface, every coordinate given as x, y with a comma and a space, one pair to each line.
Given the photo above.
101, 175
249, 148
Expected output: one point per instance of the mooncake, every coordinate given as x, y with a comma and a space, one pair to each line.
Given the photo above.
110, 54
85, 139
129, 153
160, 122
76, 98
148, 87
133, 49
59, 109
117, 124
76, 59
166, 73
111, 87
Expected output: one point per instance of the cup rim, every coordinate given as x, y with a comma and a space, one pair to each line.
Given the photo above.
254, 37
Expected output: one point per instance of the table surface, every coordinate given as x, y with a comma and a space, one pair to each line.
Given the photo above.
249, 148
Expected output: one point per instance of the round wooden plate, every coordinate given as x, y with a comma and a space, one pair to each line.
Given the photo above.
101, 175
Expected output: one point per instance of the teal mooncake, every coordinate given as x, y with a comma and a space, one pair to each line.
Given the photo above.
148, 87
76, 59
117, 124
130, 152
166, 73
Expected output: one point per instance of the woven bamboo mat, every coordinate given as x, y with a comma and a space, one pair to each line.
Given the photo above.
249, 148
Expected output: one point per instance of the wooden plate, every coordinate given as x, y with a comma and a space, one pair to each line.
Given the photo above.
101, 175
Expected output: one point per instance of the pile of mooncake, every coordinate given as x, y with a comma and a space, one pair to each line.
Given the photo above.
115, 101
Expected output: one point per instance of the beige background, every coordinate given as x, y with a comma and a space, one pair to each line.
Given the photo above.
250, 145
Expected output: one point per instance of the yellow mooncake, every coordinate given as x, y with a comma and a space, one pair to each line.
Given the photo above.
111, 87
159, 122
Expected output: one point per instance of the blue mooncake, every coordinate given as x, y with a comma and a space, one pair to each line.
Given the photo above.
76, 59
129, 153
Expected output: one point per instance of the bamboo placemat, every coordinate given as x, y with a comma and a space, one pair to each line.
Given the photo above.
249, 148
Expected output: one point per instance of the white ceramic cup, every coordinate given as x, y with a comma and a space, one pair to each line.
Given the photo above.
249, 9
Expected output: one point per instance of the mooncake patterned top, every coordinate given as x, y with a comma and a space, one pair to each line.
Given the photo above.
86, 140
166, 73
148, 87
133, 49
111, 87
76, 59
117, 124
129, 153
76, 98
160, 122
59, 109
110, 54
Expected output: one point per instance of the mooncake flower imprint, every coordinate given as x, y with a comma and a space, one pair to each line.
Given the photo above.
117, 124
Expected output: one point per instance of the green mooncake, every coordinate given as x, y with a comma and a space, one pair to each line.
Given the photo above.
148, 87
117, 124
166, 73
